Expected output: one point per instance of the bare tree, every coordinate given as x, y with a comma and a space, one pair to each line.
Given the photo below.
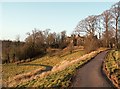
51, 39
99, 27
46, 34
17, 38
106, 18
88, 25
62, 40
115, 10
71, 46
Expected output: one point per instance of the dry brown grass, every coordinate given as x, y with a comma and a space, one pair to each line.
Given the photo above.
58, 67
36, 73
64, 64
23, 77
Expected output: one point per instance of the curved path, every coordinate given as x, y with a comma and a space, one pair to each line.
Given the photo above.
90, 75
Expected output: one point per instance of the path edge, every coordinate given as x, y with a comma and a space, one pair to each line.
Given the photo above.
103, 71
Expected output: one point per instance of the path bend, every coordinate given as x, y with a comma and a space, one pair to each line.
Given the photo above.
90, 75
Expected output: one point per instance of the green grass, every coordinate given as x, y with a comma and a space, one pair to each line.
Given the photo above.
113, 65
10, 70
57, 79
52, 61
60, 78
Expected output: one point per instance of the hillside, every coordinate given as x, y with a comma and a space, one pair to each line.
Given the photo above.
46, 67
44, 63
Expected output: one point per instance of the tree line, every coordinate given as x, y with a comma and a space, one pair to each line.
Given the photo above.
36, 44
105, 26
99, 31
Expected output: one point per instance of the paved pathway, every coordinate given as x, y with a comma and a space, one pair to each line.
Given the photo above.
90, 75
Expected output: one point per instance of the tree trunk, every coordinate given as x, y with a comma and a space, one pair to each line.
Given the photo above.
116, 35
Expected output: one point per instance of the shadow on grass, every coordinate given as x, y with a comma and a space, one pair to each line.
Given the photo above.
48, 68
68, 53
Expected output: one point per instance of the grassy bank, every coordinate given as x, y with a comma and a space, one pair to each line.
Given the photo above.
60, 75
12, 69
112, 67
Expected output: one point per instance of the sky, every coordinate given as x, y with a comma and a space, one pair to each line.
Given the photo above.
18, 18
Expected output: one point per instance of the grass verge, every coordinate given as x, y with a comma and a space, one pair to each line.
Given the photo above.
111, 67
12, 70
60, 75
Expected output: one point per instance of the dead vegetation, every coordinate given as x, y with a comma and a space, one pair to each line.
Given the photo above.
39, 74
24, 77
111, 67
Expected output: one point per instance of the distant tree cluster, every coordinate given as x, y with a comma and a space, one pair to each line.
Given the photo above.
100, 31
105, 26
36, 44
9, 50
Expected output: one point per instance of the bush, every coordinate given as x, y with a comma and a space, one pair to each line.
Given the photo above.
91, 44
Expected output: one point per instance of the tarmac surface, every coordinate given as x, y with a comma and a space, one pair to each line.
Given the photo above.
90, 75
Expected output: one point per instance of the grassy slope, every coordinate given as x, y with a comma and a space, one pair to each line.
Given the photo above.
61, 74
61, 78
112, 67
10, 70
